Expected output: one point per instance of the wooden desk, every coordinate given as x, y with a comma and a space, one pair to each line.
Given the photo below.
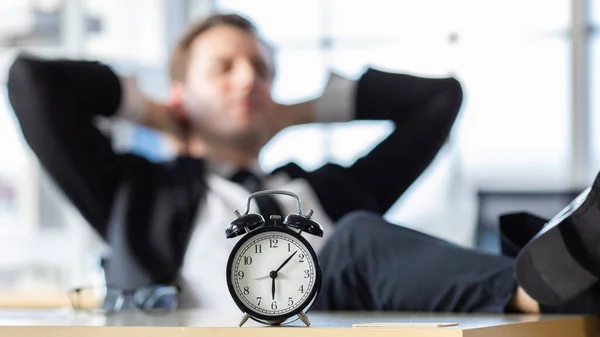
26, 300
200, 323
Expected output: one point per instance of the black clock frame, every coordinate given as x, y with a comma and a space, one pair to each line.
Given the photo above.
278, 318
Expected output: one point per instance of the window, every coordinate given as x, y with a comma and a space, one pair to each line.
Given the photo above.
128, 32
376, 20
17, 176
594, 81
503, 18
515, 127
595, 105
281, 22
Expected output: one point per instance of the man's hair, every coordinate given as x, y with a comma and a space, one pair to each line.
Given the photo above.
181, 54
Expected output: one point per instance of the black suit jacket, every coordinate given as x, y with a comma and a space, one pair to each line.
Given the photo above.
145, 210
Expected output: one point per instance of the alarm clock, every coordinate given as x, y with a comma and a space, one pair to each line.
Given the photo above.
273, 273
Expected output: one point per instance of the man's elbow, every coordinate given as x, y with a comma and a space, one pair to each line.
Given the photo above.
23, 71
28, 98
449, 98
23, 83
454, 93
446, 102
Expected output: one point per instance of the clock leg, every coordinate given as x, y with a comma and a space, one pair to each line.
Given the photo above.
244, 319
304, 318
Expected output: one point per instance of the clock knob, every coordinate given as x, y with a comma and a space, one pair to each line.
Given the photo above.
304, 223
243, 224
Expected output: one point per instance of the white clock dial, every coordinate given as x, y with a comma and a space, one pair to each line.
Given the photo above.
273, 273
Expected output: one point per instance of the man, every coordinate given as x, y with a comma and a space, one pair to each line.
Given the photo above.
165, 222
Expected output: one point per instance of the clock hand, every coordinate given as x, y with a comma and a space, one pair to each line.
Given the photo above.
286, 261
279, 275
273, 288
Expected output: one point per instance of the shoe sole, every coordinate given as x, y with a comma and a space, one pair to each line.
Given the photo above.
563, 259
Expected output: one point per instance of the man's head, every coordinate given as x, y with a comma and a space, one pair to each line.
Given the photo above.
222, 73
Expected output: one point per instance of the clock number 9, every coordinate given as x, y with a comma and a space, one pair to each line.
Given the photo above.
240, 275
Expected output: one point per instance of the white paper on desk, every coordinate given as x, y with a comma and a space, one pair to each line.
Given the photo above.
405, 325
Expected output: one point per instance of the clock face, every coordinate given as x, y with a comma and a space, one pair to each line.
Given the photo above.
273, 272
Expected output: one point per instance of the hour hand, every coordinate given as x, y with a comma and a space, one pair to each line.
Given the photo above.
273, 288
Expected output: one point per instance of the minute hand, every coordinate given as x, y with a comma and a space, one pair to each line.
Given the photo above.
286, 261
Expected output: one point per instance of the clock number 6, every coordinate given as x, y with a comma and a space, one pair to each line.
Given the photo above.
274, 305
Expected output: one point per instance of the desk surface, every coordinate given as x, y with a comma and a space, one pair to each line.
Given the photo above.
195, 323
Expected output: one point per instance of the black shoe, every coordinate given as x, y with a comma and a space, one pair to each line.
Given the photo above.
586, 303
563, 260
516, 230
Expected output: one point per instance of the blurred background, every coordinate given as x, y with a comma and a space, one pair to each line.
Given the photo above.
525, 138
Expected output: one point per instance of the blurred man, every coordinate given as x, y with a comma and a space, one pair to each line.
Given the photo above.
165, 221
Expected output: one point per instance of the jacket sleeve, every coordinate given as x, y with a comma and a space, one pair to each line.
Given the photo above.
55, 103
422, 110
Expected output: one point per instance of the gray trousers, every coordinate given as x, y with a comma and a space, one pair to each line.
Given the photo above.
370, 264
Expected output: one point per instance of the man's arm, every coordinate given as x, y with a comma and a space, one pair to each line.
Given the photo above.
55, 102
333, 105
423, 111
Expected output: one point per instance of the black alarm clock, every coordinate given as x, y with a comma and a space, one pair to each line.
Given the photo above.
273, 273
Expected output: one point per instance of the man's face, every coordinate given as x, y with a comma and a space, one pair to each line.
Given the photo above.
227, 93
